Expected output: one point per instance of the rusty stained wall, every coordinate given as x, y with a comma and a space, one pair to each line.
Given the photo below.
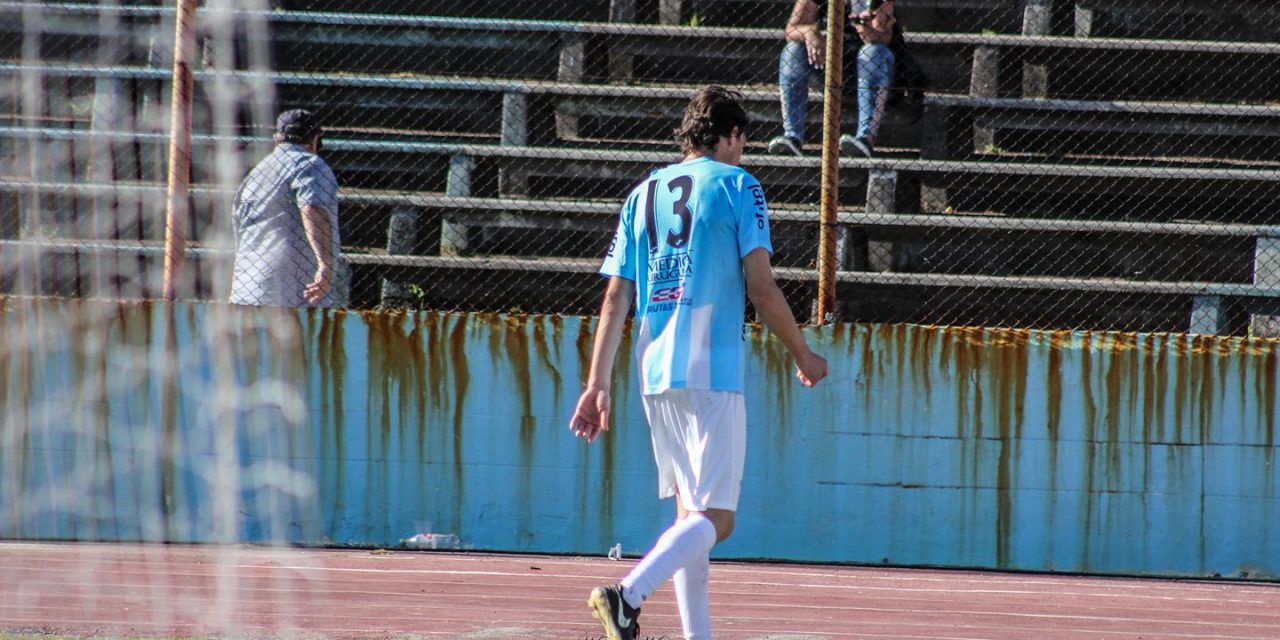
1059, 451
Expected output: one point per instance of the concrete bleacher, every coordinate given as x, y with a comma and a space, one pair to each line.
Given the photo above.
1112, 68
1200, 247
499, 110
925, 15
962, 250
1246, 20
920, 15
567, 107
1123, 68
969, 126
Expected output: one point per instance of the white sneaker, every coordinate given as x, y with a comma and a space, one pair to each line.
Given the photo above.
785, 145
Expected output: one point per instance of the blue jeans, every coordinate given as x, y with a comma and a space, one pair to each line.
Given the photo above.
875, 73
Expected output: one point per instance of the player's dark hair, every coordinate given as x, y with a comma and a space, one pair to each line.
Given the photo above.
711, 115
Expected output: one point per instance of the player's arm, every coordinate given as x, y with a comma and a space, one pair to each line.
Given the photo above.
776, 313
591, 416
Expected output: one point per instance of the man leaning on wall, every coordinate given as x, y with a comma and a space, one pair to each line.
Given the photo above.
286, 223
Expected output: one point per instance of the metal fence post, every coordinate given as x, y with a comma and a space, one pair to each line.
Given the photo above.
825, 307
178, 202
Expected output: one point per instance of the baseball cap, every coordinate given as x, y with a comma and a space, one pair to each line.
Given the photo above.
298, 125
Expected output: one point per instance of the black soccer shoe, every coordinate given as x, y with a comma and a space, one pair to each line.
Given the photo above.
620, 620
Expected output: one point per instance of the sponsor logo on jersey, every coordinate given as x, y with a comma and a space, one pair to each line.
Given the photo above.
758, 194
667, 294
672, 268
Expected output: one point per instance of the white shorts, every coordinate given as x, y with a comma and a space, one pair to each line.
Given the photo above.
700, 444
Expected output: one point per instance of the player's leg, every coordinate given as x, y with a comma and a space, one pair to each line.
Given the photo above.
618, 606
671, 416
693, 593
703, 434
699, 441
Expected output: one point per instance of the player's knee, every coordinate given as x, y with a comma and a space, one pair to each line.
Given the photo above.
723, 532
723, 521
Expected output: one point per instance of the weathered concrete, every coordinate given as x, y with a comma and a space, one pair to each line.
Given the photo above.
1102, 452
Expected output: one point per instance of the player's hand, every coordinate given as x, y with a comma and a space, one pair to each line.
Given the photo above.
319, 287
811, 368
815, 44
591, 415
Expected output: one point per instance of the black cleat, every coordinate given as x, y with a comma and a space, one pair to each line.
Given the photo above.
620, 620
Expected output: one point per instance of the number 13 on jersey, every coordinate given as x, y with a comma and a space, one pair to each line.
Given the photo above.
680, 228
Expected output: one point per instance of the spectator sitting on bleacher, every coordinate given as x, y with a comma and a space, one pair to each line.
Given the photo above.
803, 58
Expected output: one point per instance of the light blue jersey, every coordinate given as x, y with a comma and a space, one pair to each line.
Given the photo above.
681, 239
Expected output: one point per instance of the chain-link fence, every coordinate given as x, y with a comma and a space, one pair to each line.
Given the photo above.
1040, 163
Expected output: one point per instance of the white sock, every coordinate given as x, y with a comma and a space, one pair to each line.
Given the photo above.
683, 543
692, 596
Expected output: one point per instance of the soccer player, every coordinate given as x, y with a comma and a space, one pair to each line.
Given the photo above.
692, 239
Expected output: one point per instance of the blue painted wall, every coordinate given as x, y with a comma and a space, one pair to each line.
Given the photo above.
1059, 451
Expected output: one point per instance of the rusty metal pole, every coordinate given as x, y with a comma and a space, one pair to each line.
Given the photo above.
176, 213
832, 94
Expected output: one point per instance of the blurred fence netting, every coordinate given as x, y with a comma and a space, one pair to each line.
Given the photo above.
1040, 163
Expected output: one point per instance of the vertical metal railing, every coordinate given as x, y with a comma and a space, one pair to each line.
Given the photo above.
833, 90
179, 188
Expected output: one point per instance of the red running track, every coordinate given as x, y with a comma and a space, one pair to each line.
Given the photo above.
183, 591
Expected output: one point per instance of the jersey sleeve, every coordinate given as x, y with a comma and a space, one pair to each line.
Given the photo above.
315, 185
620, 260
753, 217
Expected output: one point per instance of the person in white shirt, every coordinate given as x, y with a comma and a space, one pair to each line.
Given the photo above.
286, 222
